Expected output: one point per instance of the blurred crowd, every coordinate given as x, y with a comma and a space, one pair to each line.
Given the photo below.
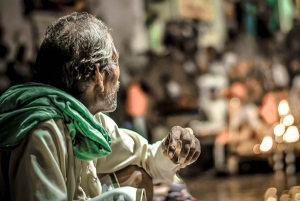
227, 89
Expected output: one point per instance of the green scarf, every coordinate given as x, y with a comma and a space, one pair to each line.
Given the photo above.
24, 106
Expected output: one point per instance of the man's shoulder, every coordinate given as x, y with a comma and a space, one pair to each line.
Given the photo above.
104, 119
50, 123
56, 128
107, 122
52, 132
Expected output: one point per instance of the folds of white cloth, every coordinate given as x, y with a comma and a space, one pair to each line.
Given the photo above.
125, 193
113, 190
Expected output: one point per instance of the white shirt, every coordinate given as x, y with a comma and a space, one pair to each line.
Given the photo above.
43, 166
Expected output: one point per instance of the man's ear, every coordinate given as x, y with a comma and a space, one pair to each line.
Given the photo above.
99, 77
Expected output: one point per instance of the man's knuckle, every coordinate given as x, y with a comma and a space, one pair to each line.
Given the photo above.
184, 153
192, 149
187, 146
186, 138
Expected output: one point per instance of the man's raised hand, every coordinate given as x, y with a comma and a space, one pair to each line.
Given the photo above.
181, 146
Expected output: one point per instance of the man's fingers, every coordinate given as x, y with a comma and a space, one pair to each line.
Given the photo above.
187, 142
173, 142
166, 143
174, 157
173, 146
165, 147
190, 130
181, 146
192, 150
196, 152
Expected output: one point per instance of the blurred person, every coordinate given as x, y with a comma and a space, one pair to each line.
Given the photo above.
55, 138
262, 70
230, 58
267, 72
172, 90
239, 71
215, 77
255, 88
190, 48
170, 74
216, 111
172, 35
211, 83
137, 104
280, 74
268, 110
244, 121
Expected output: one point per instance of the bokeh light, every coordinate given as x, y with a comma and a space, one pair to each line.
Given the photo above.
266, 144
283, 108
279, 129
291, 134
288, 120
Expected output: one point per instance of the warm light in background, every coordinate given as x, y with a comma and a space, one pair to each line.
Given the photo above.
235, 102
291, 134
283, 108
279, 129
266, 144
288, 120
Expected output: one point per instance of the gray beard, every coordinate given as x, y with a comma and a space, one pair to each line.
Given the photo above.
111, 101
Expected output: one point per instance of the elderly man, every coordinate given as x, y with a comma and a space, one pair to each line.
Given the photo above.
54, 138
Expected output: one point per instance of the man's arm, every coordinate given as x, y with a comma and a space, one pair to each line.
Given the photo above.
129, 148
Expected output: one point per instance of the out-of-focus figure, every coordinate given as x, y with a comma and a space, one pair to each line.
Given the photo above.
137, 104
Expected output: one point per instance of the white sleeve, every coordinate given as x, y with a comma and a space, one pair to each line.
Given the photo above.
130, 148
